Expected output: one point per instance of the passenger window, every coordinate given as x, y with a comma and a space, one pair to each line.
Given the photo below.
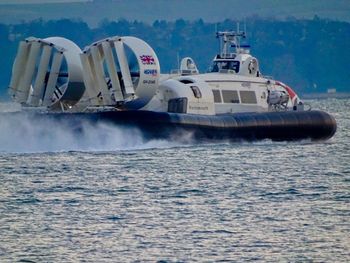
178, 105
230, 96
217, 96
248, 97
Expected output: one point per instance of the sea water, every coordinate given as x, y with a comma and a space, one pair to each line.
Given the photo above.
109, 196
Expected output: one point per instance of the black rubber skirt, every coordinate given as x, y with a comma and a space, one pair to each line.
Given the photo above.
289, 126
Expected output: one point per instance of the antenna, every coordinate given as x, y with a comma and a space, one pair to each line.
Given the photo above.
218, 37
178, 60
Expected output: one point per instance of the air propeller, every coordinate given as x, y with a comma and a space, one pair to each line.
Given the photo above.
120, 70
47, 72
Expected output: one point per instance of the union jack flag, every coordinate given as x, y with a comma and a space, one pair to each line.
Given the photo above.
147, 60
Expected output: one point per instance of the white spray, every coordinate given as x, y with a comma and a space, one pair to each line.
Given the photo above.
24, 133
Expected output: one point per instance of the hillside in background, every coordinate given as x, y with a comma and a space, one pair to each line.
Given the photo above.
93, 11
309, 55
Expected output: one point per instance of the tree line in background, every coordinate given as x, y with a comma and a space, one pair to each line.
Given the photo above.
309, 55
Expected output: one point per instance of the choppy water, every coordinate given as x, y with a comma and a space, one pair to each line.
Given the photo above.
123, 200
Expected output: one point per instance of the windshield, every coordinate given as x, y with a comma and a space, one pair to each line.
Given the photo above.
225, 65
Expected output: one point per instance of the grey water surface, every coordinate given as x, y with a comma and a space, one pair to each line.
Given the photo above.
111, 197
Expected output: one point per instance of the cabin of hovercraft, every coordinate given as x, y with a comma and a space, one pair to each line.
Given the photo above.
233, 84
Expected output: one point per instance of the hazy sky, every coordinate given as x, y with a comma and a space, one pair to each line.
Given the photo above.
3, 2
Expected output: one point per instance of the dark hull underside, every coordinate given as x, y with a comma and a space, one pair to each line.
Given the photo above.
289, 126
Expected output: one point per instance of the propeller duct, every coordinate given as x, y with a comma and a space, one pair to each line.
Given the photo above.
47, 72
120, 70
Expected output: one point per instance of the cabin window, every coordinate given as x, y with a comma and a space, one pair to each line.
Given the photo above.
217, 96
196, 92
230, 96
178, 105
234, 65
248, 97
225, 65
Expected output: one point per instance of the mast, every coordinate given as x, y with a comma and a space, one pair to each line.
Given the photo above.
230, 39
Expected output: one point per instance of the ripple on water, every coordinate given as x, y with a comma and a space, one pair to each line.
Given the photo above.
230, 202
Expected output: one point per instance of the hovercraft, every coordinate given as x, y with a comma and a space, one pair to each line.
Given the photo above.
118, 80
